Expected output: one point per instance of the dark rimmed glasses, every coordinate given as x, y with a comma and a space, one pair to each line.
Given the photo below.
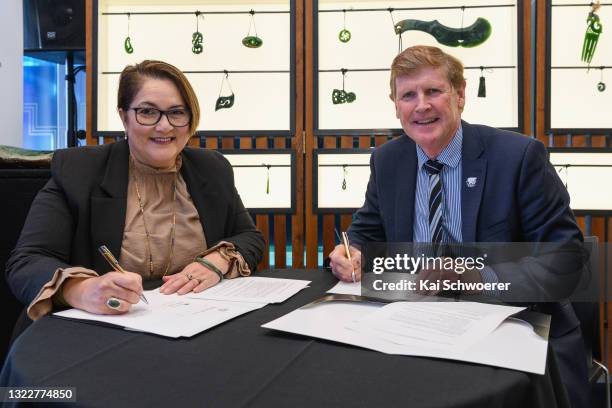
151, 116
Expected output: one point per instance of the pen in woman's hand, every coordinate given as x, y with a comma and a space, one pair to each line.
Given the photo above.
110, 258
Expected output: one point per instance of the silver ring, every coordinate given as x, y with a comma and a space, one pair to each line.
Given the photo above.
353, 276
113, 303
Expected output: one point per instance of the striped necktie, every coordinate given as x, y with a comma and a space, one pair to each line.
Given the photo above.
436, 200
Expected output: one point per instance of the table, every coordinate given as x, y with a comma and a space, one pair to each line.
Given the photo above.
240, 364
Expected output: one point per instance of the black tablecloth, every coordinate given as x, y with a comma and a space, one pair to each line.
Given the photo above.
240, 364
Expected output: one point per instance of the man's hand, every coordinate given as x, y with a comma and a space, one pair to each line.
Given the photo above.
92, 294
341, 267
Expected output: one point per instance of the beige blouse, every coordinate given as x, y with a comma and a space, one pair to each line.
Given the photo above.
156, 187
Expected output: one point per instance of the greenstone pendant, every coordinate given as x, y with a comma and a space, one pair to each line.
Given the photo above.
127, 45
196, 40
224, 102
340, 96
344, 35
252, 41
601, 87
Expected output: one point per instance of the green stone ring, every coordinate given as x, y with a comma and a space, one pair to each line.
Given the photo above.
113, 303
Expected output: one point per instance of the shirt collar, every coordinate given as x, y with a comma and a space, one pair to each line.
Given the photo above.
450, 156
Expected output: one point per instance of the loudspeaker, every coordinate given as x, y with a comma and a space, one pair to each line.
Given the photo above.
54, 25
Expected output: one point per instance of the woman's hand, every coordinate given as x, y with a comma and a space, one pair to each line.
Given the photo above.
195, 277
93, 294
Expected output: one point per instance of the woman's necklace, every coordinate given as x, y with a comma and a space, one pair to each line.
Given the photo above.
144, 222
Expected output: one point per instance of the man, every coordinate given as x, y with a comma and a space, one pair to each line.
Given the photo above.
450, 181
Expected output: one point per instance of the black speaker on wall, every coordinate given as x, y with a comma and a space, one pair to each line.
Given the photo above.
54, 25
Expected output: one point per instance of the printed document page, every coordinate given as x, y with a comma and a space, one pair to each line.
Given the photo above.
253, 289
171, 315
346, 288
433, 325
513, 344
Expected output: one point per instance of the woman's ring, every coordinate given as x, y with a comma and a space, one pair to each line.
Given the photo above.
113, 303
189, 276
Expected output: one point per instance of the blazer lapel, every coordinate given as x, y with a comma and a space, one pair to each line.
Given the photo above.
108, 205
473, 174
406, 172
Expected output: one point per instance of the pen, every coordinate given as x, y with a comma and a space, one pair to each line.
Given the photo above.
345, 240
110, 258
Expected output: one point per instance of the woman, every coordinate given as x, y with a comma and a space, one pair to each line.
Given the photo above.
167, 210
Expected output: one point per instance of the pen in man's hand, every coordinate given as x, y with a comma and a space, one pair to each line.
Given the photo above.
110, 258
345, 240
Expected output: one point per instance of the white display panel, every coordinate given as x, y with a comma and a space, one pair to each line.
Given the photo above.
575, 102
335, 170
260, 187
262, 99
374, 45
582, 174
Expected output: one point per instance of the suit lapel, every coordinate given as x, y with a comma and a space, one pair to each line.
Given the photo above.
473, 175
108, 205
406, 172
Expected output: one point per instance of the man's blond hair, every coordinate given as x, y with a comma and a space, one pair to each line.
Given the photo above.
420, 56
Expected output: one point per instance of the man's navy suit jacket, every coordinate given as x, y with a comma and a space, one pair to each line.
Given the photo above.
515, 195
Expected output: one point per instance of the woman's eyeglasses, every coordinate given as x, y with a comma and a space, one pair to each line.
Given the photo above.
151, 116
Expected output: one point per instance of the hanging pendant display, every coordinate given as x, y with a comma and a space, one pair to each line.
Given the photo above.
252, 41
127, 43
601, 86
482, 86
344, 35
340, 96
467, 37
197, 38
267, 166
225, 102
344, 174
591, 36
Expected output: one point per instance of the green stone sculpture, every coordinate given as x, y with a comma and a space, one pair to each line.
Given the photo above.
344, 35
467, 37
252, 41
224, 102
196, 40
127, 45
591, 36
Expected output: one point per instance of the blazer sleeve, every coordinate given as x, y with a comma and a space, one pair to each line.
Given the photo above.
554, 270
44, 244
247, 239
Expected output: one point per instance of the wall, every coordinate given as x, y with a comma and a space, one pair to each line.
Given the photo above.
11, 72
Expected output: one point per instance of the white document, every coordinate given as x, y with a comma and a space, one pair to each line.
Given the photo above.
171, 315
513, 344
346, 288
432, 325
253, 289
